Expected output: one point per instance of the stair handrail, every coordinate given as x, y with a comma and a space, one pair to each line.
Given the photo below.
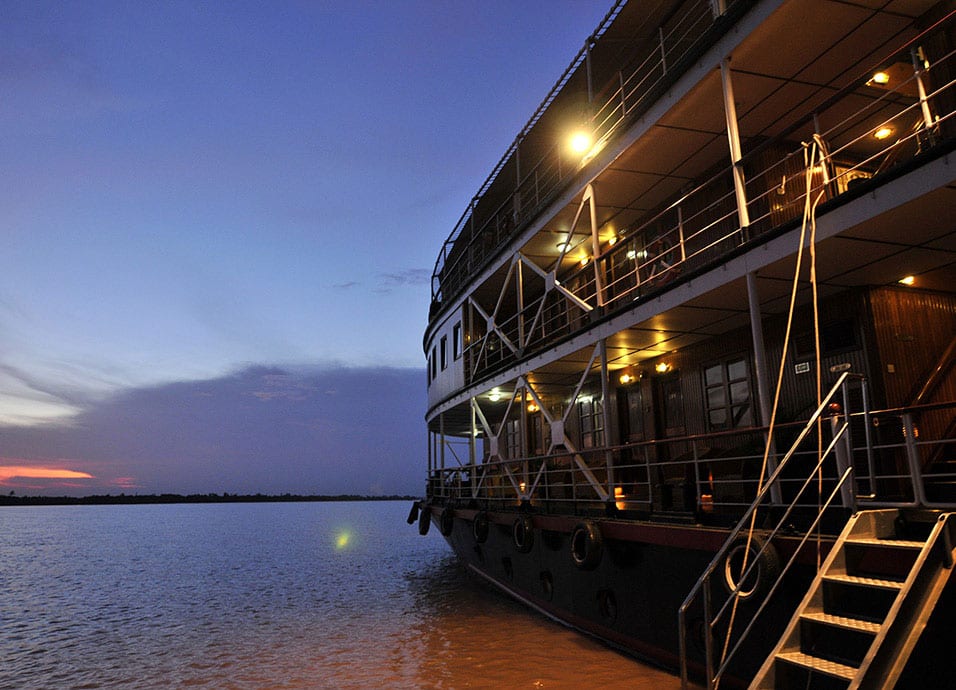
935, 378
705, 577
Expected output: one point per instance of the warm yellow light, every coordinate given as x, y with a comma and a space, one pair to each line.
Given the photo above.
584, 260
494, 395
626, 379
883, 132
880, 78
580, 142
532, 407
612, 240
908, 280
662, 367
522, 486
618, 498
342, 540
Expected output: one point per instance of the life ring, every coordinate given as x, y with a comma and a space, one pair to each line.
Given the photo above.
765, 561
522, 533
424, 521
479, 528
587, 545
446, 523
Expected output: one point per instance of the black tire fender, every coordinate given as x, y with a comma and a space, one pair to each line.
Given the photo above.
587, 545
446, 522
424, 520
522, 533
766, 566
479, 528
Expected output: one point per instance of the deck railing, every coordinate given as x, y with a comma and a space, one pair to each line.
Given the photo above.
478, 235
900, 457
725, 615
701, 228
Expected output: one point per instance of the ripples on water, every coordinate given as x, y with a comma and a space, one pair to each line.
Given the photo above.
275, 595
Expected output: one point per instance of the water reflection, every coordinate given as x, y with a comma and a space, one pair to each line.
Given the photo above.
261, 596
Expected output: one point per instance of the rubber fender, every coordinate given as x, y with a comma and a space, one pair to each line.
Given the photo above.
587, 545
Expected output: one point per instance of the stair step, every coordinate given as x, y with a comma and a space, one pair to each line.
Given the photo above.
815, 663
864, 581
889, 543
843, 622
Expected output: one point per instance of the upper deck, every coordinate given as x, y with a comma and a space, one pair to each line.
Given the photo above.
700, 116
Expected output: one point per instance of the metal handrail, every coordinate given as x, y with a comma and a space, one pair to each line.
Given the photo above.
703, 582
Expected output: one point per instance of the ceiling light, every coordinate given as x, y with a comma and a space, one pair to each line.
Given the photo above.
883, 132
908, 280
880, 78
662, 367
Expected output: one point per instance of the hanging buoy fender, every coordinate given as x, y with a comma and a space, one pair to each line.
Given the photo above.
424, 520
587, 546
413, 514
479, 528
446, 523
522, 533
765, 560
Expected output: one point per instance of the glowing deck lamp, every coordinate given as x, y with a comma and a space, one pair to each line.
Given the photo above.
662, 367
883, 132
619, 502
908, 280
626, 379
581, 142
880, 78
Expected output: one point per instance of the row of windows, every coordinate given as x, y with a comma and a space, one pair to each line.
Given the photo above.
439, 353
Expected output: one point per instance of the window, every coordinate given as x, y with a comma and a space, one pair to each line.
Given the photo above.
513, 438
456, 341
434, 363
727, 394
444, 352
591, 418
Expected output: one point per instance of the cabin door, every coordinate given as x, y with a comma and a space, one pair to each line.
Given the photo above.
632, 470
674, 479
668, 406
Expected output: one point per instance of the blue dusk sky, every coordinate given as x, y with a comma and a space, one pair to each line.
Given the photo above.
219, 221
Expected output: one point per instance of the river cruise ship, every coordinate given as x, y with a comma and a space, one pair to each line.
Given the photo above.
690, 345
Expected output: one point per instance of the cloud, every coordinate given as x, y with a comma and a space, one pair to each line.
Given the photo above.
8, 472
411, 276
260, 430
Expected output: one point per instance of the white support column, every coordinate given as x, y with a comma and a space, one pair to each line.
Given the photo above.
733, 138
472, 455
599, 278
760, 364
606, 416
919, 62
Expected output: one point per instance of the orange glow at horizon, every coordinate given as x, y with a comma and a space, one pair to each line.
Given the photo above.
10, 471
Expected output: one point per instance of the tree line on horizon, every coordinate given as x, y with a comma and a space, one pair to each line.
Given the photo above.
122, 499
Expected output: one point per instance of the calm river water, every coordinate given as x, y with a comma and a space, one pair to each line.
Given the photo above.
273, 595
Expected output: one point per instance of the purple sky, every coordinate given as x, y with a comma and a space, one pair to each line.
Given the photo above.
203, 202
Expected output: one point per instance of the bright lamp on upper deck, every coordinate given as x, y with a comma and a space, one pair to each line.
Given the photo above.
581, 142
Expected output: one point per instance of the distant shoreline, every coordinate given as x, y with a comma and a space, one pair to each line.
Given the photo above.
146, 499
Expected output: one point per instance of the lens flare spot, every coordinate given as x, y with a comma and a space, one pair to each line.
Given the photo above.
342, 540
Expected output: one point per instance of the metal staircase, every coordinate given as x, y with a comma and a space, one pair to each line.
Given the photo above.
866, 607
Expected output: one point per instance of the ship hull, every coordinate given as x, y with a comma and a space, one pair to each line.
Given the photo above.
630, 596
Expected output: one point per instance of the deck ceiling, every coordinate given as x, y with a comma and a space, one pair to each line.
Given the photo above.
843, 41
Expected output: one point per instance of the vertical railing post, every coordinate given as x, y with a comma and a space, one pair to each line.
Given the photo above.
606, 421
912, 457
918, 64
708, 635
